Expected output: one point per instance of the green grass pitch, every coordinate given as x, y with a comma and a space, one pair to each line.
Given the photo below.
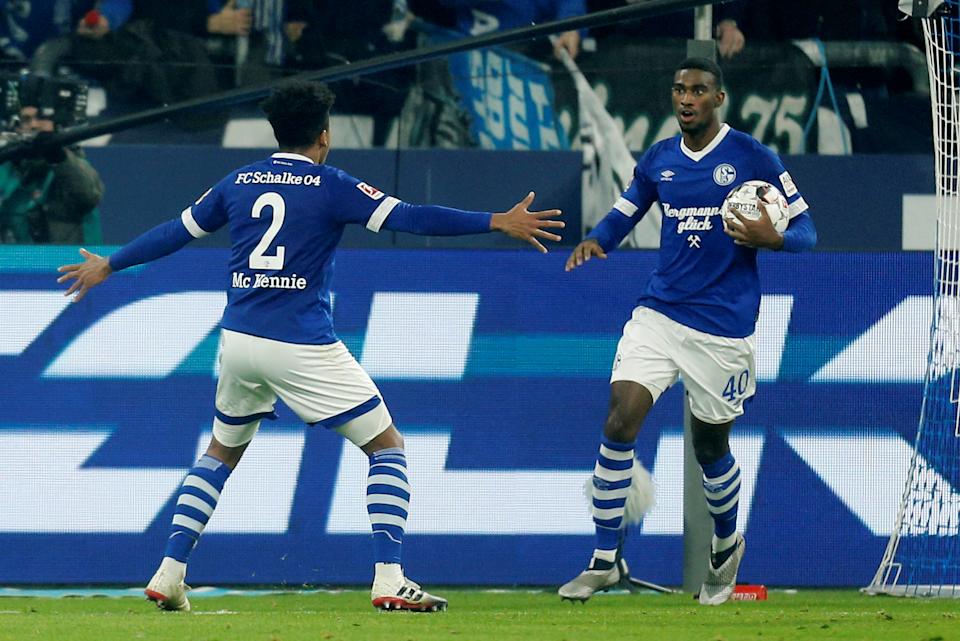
482, 615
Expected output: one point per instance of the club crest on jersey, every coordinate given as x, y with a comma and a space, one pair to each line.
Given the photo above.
724, 174
373, 192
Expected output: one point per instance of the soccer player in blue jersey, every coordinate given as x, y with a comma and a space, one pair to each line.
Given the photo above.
286, 214
696, 318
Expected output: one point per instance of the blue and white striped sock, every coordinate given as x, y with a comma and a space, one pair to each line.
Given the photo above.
388, 500
721, 484
198, 497
612, 477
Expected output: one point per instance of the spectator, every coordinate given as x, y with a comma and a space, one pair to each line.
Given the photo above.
187, 16
51, 196
212, 18
727, 19
25, 25
323, 34
476, 17
144, 53
824, 19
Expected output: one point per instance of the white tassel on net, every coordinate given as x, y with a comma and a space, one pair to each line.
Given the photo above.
641, 498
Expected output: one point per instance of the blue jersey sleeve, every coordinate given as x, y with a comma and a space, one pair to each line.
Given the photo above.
160, 241
800, 234
629, 209
203, 217
771, 169
207, 215
431, 220
359, 203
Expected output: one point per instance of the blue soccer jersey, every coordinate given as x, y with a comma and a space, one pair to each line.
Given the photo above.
703, 279
285, 216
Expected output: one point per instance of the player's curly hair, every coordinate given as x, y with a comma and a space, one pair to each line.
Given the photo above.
298, 111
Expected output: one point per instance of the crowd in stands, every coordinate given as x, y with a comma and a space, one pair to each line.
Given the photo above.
170, 50
161, 52
145, 53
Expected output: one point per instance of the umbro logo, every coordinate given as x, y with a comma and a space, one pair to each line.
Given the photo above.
667, 176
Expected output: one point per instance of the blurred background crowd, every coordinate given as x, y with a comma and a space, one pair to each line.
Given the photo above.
826, 77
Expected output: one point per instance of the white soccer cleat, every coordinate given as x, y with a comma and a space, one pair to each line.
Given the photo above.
167, 588
583, 586
404, 595
718, 586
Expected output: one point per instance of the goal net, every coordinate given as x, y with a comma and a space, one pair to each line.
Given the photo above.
923, 555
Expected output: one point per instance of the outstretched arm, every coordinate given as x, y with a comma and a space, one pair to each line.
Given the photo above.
160, 241
626, 212
605, 237
428, 220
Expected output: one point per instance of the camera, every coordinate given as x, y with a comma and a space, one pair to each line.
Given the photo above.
60, 99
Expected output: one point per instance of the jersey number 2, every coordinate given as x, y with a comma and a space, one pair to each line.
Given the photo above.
259, 259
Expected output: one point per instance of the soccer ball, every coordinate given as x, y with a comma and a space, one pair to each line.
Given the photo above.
746, 198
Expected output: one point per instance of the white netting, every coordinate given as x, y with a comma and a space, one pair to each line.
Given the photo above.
923, 555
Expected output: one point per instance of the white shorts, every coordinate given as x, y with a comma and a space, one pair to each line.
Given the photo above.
323, 384
718, 372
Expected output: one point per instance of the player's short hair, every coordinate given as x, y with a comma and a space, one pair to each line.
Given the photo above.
703, 64
298, 111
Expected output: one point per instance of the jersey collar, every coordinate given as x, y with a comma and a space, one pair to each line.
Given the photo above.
697, 156
282, 155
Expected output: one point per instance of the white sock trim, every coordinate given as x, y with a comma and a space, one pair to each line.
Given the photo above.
171, 564
721, 494
392, 572
616, 455
611, 475
727, 542
723, 478
605, 555
726, 507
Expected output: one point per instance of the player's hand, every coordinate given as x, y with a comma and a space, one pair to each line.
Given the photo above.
753, 233
91, 272
583, 252
523, 224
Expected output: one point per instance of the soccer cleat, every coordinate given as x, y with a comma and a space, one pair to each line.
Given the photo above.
167, 588
407, 595
718, 586
589, 581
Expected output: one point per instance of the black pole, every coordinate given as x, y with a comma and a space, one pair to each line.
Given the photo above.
364, 67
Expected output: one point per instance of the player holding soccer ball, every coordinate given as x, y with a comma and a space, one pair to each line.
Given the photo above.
286, 215
696, 318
